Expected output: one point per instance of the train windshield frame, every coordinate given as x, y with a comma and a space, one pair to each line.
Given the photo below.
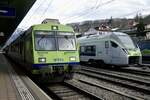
127, 41
54, 40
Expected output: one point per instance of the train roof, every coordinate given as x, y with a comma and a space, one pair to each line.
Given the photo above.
95, 31
100, 34
48, 26
96, 35
119, 33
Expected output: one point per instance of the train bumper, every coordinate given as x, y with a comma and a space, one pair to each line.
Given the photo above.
53, 68
134, 60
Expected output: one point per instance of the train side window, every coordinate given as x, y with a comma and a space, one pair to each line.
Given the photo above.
113, 44
88, 49
106, 44
82, 49
93, 49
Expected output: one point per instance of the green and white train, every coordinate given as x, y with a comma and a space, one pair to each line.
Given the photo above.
47, 50
112, 48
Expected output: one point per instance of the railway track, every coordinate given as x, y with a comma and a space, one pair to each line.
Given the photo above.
138, 70
138, 78
79, 90
132, 82
67, 91
129, 74
141, 72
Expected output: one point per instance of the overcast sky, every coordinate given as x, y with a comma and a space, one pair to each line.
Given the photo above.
68, 11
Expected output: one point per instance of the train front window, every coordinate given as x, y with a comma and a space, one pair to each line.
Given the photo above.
45, 41
66, 41
126, 40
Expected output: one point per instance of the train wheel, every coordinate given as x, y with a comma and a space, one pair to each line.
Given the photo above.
92, 62
69, 76
100, 63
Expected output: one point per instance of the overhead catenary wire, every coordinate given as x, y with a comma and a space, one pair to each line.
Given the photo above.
134, 12
26, 20
100, 5
108, 2
45, 11
96, 3
84, 10
88, 11
104, 3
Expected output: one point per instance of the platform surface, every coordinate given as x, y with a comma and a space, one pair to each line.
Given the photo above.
15, 87
7, 87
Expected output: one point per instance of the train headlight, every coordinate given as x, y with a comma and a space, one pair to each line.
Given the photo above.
42, 59
72, 58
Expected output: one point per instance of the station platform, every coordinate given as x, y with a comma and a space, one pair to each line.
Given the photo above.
14, 86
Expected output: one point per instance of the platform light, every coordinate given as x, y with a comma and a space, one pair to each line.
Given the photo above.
3, 11
7, 12
1, 33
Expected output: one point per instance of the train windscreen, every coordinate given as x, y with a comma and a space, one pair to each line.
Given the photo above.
66, 41
45, 41
127, 41
53, 41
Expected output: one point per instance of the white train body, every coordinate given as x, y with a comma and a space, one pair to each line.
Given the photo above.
113, 48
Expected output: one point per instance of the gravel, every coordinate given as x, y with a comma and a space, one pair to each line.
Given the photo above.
123, 81
107, 95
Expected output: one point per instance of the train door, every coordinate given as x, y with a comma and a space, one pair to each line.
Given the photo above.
28, 52
28, 49
107, 53
115, 53
22, 50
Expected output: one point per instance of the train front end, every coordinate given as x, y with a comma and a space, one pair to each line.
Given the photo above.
134, 56
56, 55
132, 51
